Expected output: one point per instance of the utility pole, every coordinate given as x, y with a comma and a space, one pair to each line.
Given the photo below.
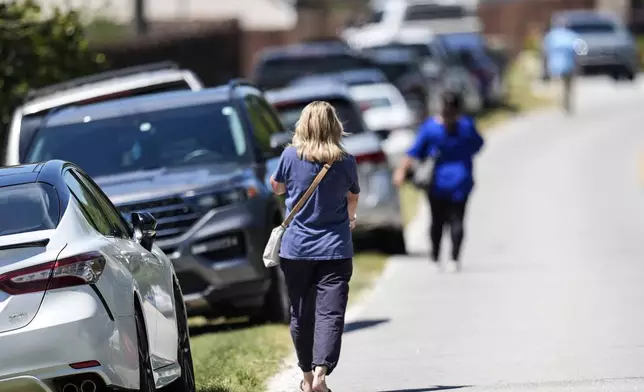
140, 22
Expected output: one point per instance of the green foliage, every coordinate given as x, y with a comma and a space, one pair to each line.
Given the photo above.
38, 50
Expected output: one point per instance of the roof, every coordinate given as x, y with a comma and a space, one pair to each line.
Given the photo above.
322, 91
135, 105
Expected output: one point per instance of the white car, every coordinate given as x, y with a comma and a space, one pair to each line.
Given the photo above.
88, 302
386, 112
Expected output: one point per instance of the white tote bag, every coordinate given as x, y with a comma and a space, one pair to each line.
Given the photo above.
272, 251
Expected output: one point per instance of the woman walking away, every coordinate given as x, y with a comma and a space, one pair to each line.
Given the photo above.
317, 249
451, 140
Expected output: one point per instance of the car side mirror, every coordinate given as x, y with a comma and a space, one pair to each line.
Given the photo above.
279, 141
145, 229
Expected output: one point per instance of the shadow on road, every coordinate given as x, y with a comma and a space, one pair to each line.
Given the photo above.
363, 324
429, 389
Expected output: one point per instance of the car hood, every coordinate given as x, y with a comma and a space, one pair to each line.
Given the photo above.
390, 118
604, 40
150, 184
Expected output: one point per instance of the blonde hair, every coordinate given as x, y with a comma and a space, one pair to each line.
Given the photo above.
318, 133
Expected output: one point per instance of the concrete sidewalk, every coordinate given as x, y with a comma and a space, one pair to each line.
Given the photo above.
551, 292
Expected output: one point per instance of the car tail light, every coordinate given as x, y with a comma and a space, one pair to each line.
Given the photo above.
376, 157
84, 364
71, 271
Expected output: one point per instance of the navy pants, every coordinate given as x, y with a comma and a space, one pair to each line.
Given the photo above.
318, 291
446, 212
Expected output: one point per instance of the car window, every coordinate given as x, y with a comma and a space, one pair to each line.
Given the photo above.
592, 27
30, 123
262, 129
120, 226
90, 207
347, 112
28, 207
270, 117
191, 135
276, 73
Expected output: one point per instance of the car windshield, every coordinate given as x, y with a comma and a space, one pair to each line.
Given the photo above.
279, 73
592, 27
347, 113
28, 207
211, 133
459, 41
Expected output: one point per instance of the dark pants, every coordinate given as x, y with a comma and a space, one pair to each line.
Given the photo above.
318, 291
446, 212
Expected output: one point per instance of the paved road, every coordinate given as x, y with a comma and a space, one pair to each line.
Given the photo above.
552, 293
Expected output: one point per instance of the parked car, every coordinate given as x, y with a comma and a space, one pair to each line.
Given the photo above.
279, 66
356, 77
440, 66
379, 207
606, 46
403, 69
134, 81
199, 162
472, 49
383, 107
387, 114
88, 301
388, 17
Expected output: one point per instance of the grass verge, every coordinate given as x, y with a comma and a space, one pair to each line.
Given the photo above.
238, 358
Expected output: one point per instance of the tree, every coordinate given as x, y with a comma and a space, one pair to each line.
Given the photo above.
38, 50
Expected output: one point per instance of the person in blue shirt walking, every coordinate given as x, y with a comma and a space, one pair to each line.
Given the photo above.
452, 140
559, 47
317, 247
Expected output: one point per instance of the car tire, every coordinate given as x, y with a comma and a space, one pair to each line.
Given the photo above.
277, 307
146, 376
392, 241
185, 383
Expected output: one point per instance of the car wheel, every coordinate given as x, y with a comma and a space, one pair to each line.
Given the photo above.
146, 377
277, 307
185, 383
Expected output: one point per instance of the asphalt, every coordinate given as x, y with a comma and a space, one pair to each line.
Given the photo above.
551, 295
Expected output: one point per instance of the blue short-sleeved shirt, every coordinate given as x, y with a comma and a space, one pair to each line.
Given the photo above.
320, 230
453, 177
559, 46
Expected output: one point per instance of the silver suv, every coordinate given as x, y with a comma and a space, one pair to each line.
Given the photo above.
106, 86
605, 46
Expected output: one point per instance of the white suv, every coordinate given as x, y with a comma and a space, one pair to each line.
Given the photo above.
139, 80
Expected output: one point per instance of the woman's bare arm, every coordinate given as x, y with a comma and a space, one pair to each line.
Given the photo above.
278, 187
352, 204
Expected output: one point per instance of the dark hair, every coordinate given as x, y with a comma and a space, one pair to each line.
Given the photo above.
452, 101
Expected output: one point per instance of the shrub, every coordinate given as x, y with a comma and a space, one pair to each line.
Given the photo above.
38, 50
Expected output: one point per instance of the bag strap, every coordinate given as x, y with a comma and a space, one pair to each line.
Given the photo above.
300, 203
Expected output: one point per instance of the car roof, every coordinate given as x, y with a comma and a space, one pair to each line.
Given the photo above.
115, 85
22, 174
322, 91
305, 49
575, 16
135, 105
351, 76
